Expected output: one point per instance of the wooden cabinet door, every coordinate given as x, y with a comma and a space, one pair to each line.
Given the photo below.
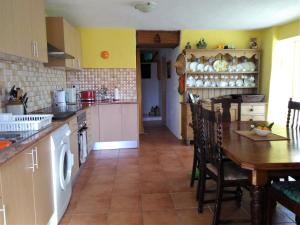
6, 18
74, 150
42, 182
96, 123
77, 42
17, 189
110, 122
129, 122
21, 23
38, 24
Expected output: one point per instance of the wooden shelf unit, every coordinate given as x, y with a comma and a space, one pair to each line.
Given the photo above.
212, 92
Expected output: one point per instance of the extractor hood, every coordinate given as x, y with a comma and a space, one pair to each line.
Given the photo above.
57, 53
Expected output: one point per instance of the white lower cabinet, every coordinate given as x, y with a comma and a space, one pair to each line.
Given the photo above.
26, 186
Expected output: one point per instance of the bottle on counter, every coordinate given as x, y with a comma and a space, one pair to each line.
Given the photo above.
116, 94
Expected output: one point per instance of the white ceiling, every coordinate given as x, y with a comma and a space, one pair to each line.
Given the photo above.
177, 14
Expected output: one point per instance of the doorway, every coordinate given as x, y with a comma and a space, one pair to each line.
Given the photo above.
156, 79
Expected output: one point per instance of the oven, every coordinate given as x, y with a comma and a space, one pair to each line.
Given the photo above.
82, 137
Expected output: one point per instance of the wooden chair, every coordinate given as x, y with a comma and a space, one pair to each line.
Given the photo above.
226, 104
287, 194
223, 171
196, 111
293, 118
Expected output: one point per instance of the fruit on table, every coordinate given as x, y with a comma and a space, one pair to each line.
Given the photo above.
264, 126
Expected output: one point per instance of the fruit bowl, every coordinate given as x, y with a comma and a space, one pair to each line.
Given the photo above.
261, 132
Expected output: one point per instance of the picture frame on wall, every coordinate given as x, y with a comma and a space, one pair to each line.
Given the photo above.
169, 70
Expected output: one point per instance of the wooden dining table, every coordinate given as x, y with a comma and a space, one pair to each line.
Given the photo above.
264, 159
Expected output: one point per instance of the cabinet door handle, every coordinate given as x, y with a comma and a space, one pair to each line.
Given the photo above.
3, 210
32, 161
78, 60
36, 163
37, 49
33, 48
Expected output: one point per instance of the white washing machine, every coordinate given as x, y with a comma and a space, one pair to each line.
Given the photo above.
62, 163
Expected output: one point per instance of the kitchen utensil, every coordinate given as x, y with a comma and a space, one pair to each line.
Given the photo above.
263, 133
87, 95
16, 108
59, 97
71, 95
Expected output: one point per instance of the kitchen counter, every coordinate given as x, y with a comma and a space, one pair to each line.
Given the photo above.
32, 138
35, 136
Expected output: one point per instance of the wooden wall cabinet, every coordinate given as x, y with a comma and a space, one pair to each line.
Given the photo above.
64, 37
157, 39
26, 184
23, 29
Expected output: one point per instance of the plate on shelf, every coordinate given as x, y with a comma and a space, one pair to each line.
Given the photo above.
190, 81
220, 65
200, 67
193, 66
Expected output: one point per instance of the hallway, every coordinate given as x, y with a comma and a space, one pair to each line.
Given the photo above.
146, 186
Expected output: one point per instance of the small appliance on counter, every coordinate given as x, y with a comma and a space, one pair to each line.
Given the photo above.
17, 103
116, 94
71, 95
87, 96
59, 97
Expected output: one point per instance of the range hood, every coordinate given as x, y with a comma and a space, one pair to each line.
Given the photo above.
57, 53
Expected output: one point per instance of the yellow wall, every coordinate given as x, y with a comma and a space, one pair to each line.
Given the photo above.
121, 44
268, 40
239, 38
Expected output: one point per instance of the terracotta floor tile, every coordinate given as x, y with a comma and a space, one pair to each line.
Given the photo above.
89, 219
163, 217
184, 200
126, 188
152, 202
154, 187
115, 186
95, 190
192, 217
126, 203
93, 205
125, 218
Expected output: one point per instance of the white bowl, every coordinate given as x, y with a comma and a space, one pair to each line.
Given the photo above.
262, 132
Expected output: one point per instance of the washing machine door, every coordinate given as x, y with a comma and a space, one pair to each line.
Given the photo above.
66, 161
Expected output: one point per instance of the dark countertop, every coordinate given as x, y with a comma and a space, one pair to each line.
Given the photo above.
32, 138
29, 138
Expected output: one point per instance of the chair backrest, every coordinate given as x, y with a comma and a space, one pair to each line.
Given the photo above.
211, 138
293, 117
226, 104
196, 114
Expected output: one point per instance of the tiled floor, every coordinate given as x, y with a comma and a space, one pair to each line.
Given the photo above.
146, 186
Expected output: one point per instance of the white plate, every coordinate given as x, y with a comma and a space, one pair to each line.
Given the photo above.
200, 67
220, 65
193, 66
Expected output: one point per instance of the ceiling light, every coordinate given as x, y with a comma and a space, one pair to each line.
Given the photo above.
145, 6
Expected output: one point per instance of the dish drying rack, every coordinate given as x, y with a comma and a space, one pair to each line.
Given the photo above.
9, 122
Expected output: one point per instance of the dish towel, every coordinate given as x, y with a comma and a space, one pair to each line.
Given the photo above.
83, 149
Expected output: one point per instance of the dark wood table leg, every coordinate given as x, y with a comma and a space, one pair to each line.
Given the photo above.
257, 205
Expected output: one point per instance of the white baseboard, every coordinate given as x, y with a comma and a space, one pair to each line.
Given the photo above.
115, 145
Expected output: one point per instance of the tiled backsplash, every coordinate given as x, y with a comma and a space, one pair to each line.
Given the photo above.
93, 79
35, 79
